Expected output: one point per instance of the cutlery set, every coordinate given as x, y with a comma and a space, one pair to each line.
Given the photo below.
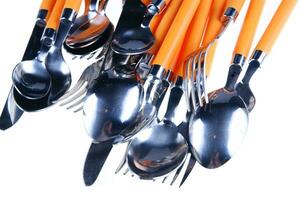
157, 59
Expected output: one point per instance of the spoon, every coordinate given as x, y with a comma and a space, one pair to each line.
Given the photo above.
139, 39
217, 131
31, 77
11, 113
91, 31
55, 64
161, 148
101, 150
263, 48
118, 106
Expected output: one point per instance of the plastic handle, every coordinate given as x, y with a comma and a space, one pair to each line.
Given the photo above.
248, 30
146, 2
164, 25
47, 5
87, 7
55, 16
176, 33
73, 4
214, 24
236, 4
194, 34
156, 21
275, 26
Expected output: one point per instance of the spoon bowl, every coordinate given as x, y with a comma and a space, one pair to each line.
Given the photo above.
157, 151
133, 41
217, 131
31, 79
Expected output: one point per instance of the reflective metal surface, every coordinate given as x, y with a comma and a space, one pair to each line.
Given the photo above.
217, 130
91, 31
156, 151
56, 67
11, 113
111, 106
160, 149
138, 39
96, 158
243, 88
31, 77
117, 105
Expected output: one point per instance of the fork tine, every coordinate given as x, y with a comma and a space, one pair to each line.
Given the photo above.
123, 161
80, 101
192, 81
126, 171
79, 109
199, 79
177, 173
189, 168
164, 179
91, 55
76, 96
75, 88
186, 82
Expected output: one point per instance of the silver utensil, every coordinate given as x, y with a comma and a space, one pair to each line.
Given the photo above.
55, 64
139, 39
195, 77
223, 122
11, 113
90, 32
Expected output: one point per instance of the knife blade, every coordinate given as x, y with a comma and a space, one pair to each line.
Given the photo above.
95, 160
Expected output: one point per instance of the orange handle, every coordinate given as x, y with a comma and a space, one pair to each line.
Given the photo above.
146, 2
73, 4
165, 23
214, 24
275, 26
210, 57
156, 21
236, 4
194, 34
176, 33
87, 7
47, 5
248, 30
54, 19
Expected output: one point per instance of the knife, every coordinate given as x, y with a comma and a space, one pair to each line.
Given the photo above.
11, 113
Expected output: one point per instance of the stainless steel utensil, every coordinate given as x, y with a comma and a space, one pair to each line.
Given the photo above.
55, 64
30, 77
195, 76
161, 145
90, 32
111, 60
223, 122
139, 39
106, 59
11, 113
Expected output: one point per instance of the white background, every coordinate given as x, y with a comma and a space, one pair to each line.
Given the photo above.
42, 156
